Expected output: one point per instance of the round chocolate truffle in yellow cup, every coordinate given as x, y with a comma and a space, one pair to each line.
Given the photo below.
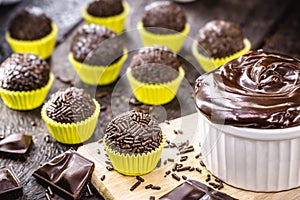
155, 75
25, 80
134, 142
219, 42
97, 54
71, 115
32, 31
111, 14
164, 23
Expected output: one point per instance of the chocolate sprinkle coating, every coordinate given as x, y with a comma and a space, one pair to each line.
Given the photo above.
105, 8
70, 105
133, 132
30, 23
96, 45
155, 64
24, 72
219, 39
166, 15
258, 90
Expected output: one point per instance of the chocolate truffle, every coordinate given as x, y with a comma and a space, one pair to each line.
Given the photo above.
155, 64
24, 72
219, 39
105, 8
70, 105
133, 132
30, 23
96, 45
165, 15
257, 90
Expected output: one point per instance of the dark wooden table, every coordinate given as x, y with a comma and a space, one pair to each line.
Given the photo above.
271, 25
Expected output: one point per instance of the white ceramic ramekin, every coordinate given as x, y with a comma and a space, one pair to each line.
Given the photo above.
252, 159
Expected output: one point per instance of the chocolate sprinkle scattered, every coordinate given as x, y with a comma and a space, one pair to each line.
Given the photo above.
50, 191
70, 105
183, 158
202, 163
48, 197
133, 132
187, 150
140, 178
176, 177
135, 185
152, 198
24, 72
109, 168
148, 186
102, 177
154, 187
184, 177
89, 190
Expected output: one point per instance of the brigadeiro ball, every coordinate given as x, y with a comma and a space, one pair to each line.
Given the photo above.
71, 115
163, 23
97, 54
24, 72
25, 80
30, 23
96, 45
32, 31
70, 105
155, 74
166, 15
219, 39
218, 42
133, 142
109, 13
105, 8
155, 64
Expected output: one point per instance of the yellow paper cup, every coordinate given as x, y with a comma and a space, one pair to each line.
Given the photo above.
209, 64
115, 23
155, 94
135, 164
98, 75
42, 47
173, 41
26, 100
72, 133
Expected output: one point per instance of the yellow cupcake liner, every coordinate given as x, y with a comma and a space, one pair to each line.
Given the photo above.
98, 75
155, 94
42, 47
115, 23
26, 100
135, 164
173, 41
209, 64
72, 133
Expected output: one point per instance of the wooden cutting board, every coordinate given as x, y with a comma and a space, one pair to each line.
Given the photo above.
116, 186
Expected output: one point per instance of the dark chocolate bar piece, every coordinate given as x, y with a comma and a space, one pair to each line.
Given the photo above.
67, 174
16, 145
194, 190
10, 186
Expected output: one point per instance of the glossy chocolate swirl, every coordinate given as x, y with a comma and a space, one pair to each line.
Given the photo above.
257, 90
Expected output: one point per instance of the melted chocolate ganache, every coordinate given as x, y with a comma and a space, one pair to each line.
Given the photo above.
256, 90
